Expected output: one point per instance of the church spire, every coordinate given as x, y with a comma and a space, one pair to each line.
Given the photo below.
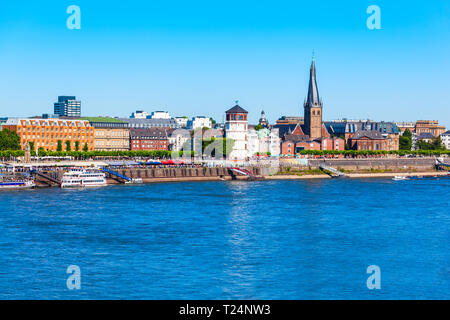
313, 92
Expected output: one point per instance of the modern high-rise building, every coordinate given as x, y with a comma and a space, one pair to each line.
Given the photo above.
67, 106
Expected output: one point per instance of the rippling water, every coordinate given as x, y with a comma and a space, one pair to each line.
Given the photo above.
309, 239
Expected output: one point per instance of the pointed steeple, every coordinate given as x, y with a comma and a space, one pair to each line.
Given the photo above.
313, 93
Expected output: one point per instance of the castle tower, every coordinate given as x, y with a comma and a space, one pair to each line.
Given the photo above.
313, 107
236, 128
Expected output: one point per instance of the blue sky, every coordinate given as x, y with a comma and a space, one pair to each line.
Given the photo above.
197, 57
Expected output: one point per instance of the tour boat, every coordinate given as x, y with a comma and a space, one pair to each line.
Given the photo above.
25, 184
83, 178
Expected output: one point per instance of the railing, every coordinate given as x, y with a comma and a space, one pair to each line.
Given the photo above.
45, 176
338, 173
114, 173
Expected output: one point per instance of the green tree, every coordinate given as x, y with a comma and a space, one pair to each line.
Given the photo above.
68, 145
77, 145
59, 146
437, 144
86, 148
9, 140
258, 127
407, 133
405, 140
32, 149
434, 145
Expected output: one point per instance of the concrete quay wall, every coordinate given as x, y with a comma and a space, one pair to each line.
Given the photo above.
400, 164
175, 173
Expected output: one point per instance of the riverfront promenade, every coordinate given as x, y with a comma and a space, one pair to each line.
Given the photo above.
284, 169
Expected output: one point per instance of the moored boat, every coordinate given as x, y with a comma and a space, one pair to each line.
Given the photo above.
25, 184
400, 178
76, 178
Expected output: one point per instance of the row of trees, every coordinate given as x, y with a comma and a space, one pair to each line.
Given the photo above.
405, 143
376, 152
154, 154
164, 154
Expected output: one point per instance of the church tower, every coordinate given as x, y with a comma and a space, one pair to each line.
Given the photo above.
313, 107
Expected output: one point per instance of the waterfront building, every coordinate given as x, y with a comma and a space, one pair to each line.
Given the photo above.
182, 122
445, 137
178, 138
368, 140
199, 122
313, 107
429, 126
309, 132
160, 115
424, 136
45, 133
67, 106
150, 123
139, 114
149, 138
236, 128
110, 134
263, 141
349, 128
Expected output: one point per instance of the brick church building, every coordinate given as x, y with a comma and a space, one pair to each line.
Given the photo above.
312, 133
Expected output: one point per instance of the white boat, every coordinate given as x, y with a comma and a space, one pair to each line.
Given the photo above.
76, 178
400, 178
134, 181
25, 184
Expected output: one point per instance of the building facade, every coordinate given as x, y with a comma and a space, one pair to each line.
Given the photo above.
429, 126
160, 115
182, 122
368, 140
263, 141
67, 106
139, 114
150, 123
199, 122
149, 139
236, 128
284, 120
445, 137
46, 133
110, 134
403, 126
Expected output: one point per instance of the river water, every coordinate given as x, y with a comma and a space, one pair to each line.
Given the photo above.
306, 239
